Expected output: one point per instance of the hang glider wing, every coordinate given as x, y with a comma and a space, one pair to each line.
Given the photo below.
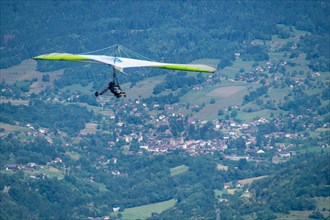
121, 63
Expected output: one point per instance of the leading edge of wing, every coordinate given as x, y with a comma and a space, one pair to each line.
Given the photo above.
121, 62
69, 57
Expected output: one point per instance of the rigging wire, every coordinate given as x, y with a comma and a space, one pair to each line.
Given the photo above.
106, 48
119, 50
135, 53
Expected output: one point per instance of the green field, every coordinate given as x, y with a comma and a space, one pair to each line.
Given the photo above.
14, 101
145, 211
49, 171
251, 116
218, 193
90, 128
11, 128
73, 155
77, 88
143, 88
230, 71
228, 93
179, 170
26, 71
322, 204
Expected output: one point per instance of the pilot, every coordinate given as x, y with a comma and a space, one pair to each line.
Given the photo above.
116, 90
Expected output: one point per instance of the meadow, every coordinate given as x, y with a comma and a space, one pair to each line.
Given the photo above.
145, 211
179, 170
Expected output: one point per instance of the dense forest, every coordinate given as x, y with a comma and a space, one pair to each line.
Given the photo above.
278, 193
153, 28
248, 142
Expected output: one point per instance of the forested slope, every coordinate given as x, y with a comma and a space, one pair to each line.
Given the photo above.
158, 29
294, 186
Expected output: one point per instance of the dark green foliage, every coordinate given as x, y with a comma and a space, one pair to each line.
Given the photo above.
256, 53
255, 94
178, 81
77, 29
294, 187
164, 99
70, 118
291, 186
301, 102
205, 132
318, 56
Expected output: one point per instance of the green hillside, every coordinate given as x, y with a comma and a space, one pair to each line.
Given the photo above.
299, 189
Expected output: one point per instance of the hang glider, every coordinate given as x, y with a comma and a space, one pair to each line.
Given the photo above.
120, 63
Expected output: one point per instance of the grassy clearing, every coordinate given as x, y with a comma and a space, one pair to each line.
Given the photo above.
210, 111
298, 215
11, 128
100, 186
196, 96
90, 128
222, 167
278, 94
77, 88
14, 101
27, 70
228, 93
179, 170
295, 215
276, 55
218, 193
143, 212
250, 180
250, 116
73, 155
314, 149
230, 71
323, 203
50, 171
225, 92
143, 88
301, 64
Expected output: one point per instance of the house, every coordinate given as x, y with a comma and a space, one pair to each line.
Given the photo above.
32, 165
116, 209
57, 160
128, 138
284, 154
12, 167
145, 147
260, 152
223, 200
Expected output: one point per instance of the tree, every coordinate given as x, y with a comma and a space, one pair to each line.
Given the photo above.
233, 113
221, 112
135, 147
45, 78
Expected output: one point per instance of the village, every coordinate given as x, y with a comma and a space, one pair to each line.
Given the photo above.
162, 141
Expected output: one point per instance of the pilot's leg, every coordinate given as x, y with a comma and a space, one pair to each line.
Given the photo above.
101, 93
